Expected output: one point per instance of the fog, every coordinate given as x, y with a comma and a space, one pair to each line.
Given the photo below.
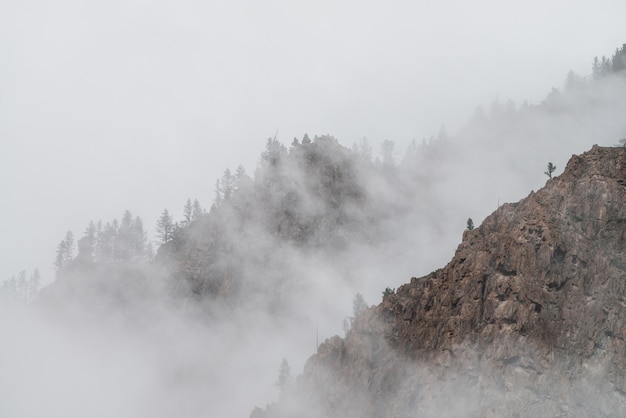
467, 383
89, 92
135, 105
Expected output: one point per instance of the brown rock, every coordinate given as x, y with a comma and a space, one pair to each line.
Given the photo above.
527, 319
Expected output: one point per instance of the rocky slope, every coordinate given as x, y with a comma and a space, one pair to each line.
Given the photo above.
527, 319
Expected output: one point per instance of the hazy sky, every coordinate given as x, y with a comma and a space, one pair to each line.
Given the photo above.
107, 106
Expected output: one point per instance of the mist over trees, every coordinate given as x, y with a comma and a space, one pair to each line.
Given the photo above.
115, 241
286, 246
615, 64
22, 287
319, 197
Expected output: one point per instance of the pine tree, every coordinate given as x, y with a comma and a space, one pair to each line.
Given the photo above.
33, 285
364, 150
69, 246
346, 327
187, 213
227, 184
619, 60
87, 244
284, 376
605, 66
59, 262
97, 251
551, 167
573, 80
105, 241
388, 292
22, 285
358, 306
240, 176
123, 242
596, 69
10, 286
274, 152
149, 251
165, 227
197, 211
218, 194
138, 239
386, 150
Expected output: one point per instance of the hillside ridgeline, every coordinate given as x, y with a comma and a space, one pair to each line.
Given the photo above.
527, 319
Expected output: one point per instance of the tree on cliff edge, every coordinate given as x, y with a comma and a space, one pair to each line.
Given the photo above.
550, 169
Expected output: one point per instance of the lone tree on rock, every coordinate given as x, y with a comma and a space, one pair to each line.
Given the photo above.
551, 167
470, 224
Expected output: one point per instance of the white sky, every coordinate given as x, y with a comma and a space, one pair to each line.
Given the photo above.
107, 106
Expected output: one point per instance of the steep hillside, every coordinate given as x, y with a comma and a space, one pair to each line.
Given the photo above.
527, 319
315, 197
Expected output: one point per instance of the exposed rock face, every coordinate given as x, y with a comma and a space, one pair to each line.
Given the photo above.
527, 319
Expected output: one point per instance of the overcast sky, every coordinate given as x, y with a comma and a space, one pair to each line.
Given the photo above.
107, 106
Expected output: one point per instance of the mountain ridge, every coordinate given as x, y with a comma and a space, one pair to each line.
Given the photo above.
527, 319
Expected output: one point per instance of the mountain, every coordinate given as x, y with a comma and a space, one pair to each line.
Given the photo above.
308, 197
278, 257
317, 202
527, 319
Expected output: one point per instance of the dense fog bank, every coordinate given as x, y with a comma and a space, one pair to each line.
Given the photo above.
271, 269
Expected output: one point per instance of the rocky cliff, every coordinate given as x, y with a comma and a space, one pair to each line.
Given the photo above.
527, 319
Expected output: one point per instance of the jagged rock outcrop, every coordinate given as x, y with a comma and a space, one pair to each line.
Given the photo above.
527, 319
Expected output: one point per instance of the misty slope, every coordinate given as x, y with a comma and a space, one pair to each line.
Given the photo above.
527, 319
282, 252
318, 202
318, 199
315, 199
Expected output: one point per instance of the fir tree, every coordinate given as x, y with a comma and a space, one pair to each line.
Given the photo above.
619, 60
227, 184
165, 227
240, 176
358, 306
596, 69
87, 244
187, 213
218, 194
69, 246
274, 152
386, 151
33, 285
61, 256
284, 376
22, 285
550, 169
138, 238
123, 242
197, 210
